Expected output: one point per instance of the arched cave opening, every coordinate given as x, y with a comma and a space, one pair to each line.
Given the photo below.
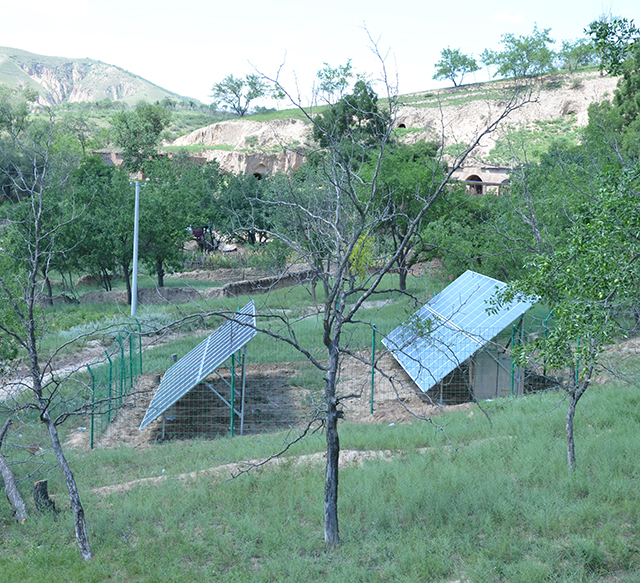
474, 184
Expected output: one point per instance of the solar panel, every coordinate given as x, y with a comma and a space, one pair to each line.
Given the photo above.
450, 328
202, 361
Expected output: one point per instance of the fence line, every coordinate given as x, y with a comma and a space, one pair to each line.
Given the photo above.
113, 378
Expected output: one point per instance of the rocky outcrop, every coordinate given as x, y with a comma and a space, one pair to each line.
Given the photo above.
258, 163
252, 147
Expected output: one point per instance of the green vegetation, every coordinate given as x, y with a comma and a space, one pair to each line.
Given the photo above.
522, 56
496, 505
237, 93
527, 145
454, 63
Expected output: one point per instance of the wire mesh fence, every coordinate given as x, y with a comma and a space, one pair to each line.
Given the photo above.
112, 379
270, 386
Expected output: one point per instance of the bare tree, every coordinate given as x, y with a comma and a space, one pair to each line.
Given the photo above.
328, 215
20, 512
29, 241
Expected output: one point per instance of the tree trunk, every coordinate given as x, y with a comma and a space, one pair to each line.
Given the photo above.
47, 283
403, 278
402, 271
331, 534
160, 272
127, 279
571, 447
41, 497
10, 486
74, 498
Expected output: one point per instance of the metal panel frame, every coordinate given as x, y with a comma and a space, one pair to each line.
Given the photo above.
201, 361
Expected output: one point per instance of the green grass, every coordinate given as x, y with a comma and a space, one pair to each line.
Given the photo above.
499, 505
197, 148
480, 501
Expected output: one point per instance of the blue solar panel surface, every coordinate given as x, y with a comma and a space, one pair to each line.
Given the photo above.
453, 326
202, 361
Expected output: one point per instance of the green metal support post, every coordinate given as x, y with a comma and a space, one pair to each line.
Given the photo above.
233, 379
93, 393
110, 391
373, 363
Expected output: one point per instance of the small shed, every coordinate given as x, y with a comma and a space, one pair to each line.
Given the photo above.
448, 347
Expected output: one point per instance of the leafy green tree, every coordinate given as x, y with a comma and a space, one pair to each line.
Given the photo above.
614, 127
238, 93
80, 127
241, 213
104, 234
578, 53
615, 39
590, 282
407, 177
523, 56
354, 119
138, 132
333, 82
453, 64
171, 203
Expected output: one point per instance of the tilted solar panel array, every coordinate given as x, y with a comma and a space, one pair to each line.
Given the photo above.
202, 361
450, 328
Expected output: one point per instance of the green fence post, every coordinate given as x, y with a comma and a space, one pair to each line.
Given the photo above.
123, 371
140, 344
131, 359
373, 363
233, 379
93, 393
110, 390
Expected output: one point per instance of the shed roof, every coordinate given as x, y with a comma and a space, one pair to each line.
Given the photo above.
451, 327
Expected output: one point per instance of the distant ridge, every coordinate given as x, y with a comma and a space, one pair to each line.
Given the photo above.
61, 80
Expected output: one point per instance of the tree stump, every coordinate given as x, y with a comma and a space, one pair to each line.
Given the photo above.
41, 497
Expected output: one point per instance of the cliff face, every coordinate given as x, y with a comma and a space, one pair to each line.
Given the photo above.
250, 147
61, 80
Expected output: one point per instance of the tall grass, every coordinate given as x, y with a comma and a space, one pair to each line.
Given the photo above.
497, 504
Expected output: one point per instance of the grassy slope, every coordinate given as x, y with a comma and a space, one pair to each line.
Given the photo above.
501, 506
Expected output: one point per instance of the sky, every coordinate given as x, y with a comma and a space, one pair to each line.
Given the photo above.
186, 48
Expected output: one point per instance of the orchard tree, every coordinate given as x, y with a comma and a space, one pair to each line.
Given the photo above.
170, 204
238, 92
590, 284
522, 56
355, 117
104, 234
406, 174
578, 53
454, 63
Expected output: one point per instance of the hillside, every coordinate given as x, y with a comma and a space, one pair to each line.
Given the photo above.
558, 108
61, 80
